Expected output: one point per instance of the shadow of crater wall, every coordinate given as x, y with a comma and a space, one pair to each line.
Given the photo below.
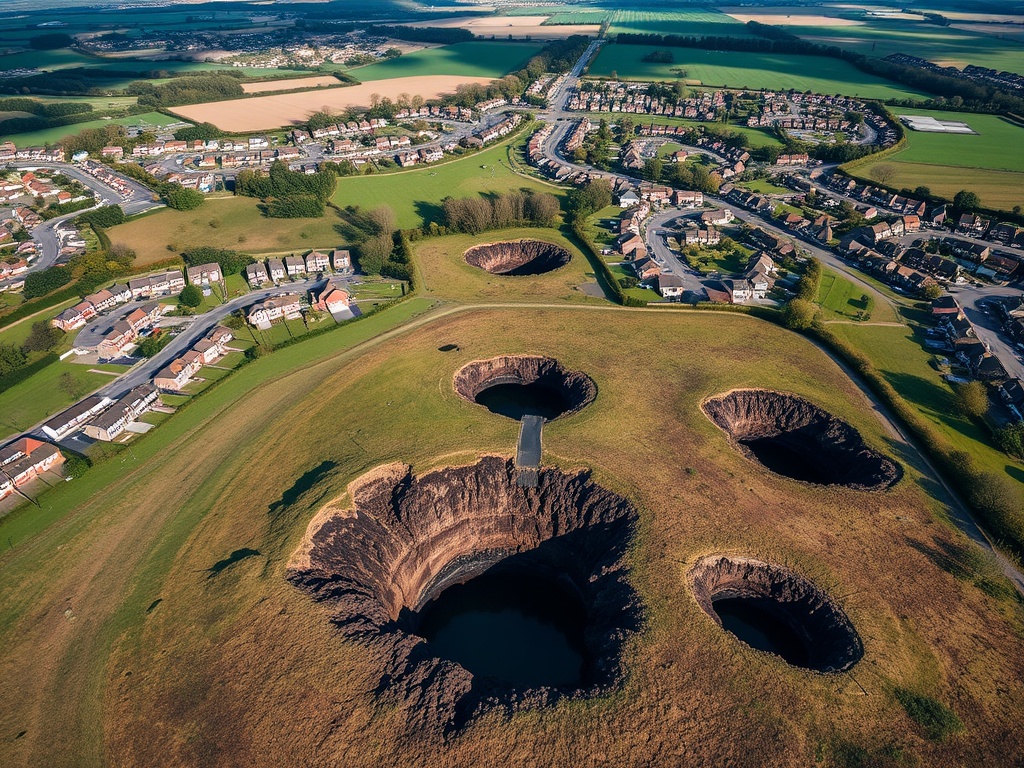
516, 258
576, 389
409, 538
832, 451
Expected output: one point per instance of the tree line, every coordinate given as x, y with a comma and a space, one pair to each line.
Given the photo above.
193, 89
473, 215
286, 193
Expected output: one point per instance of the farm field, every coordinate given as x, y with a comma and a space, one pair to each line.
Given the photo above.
990, 148
290, 84
535, 27
132, 536
54, 135
416, 195
67, 59
261, 113
697, 23
239, 226
476, 59
998, 189
444, 274
736, 69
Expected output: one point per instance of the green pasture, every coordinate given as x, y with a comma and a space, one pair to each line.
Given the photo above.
153, 120
697, 22
737, 69
473, 59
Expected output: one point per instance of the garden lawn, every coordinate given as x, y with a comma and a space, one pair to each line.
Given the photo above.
416, 195
472, 59
738, 69
842, 300
239, 226
41, 396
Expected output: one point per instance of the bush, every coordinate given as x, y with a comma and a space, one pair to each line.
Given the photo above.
972, 399
799, 314
42, 338
106, 217
937, 720
296, 207
1011, 439
42, 283
191, 296
75, 464
181, 199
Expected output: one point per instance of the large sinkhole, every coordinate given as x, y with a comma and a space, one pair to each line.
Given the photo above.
476, 593
793, 437
775, 610
525, 385
518, 258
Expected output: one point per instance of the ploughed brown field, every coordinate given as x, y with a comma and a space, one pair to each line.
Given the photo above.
264, 113
517, 26
155, 624
290, 84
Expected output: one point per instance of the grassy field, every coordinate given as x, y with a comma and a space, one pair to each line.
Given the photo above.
41, 396
737, 69
444, 273
415, 195
947, 163
765, 187
124, 582
698, 23
226, 222
147, 120
473, 59
577, 17
842, 300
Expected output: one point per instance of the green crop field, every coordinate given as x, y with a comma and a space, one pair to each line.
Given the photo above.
985, 163
473, 59
944, 45
698, 23
53, 135
577, 17
415, 195
736, 69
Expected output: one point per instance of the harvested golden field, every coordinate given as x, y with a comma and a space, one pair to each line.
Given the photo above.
154, 624
789, 16
268, 112
517, 26
291, 84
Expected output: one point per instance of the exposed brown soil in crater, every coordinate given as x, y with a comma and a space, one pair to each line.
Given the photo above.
518, 257
406, 539
564, 391
830, 642
793, 437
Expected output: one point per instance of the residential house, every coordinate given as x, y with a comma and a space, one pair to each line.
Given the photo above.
331, 299
204, 274
112, 422
295, 266
66, 421
341, 261
121, 335
317, 262
276, 270
274, 308
24, 460
177, 374
671, 286
256, 274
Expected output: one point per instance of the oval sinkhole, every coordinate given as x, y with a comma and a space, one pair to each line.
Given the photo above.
518, 258
775, 610
474, 592
795, 438
525, 385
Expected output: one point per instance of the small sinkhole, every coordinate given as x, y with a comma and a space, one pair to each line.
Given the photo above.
515, 386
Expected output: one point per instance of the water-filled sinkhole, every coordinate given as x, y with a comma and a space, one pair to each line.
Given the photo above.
794, 438
773, 609
520, 385
476, 593
515, 627
518, 258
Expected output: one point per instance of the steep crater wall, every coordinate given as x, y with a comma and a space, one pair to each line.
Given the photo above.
561, 391
406, 539
830, 642
517, 258
793, 437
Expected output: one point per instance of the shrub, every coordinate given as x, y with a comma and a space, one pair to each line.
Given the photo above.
1011, 439
42, 338
799, 314
181, 199
972, 399
42, 283
191, 296
75, 464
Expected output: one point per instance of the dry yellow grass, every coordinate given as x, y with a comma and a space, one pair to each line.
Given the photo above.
789, 16
239, 668
290, 84
267, 112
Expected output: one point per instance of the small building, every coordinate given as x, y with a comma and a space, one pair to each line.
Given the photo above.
670, 286
112, 422
317, 262
66, 421
294, 266
263, 314
256, 274
204, 274
276, 270
341, 261
24, 460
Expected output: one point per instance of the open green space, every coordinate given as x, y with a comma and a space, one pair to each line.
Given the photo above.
45, 394
842, 300
416, 195
1001, 190
696, 23
473, 59
235, 223
765, 187
146, 121
991, 147
738, 69
577, 17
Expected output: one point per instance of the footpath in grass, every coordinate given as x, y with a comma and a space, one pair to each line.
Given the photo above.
740, 69
478, 58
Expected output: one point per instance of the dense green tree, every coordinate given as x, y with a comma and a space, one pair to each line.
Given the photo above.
966, 201
191, 296
181, 199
